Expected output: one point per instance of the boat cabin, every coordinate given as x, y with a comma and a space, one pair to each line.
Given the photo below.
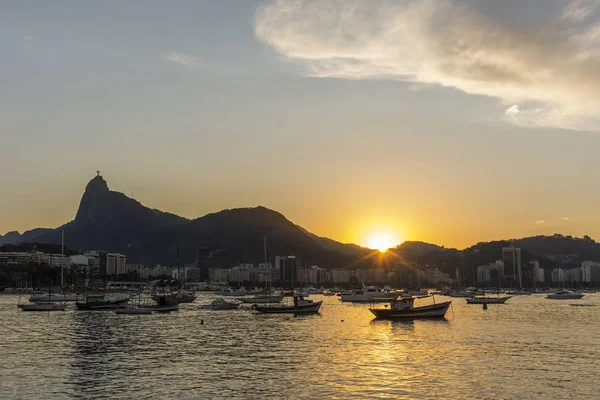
402, 303
300, 301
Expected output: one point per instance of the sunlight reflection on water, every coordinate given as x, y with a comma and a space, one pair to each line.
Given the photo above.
529, 348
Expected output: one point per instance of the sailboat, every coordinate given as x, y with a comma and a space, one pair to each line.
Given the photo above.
483, 299
45, 306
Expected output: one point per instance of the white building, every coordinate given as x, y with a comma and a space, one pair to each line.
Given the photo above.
116, 264
558, 275
340, 275
538, 273
590, 271
57, 260
486, 272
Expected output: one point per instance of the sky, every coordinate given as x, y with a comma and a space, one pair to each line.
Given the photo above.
446, 121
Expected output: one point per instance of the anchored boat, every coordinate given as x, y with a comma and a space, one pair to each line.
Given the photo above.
301, 306
220, 304
102, 302
404, 308
564, 295
487, 300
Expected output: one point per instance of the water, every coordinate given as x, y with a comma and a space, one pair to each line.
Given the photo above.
529, 348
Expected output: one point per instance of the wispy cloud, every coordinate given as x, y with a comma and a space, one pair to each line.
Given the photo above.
540, 221
578, 10
565, 218
545, 75
182, 58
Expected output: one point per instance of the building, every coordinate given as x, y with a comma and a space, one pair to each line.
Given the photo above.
340, 276
590, 272
314, 275
492, 273
558, 276
59, 261
288, 270
538, 273
511, 257
218, 275
116, 264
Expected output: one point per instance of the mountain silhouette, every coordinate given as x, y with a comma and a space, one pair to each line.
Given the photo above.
111, 221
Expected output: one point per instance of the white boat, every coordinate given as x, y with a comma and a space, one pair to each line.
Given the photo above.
229, 292
262, 299
564, 295
367, 294
220, 304
43, 307
45, 297
134, 310
521, 292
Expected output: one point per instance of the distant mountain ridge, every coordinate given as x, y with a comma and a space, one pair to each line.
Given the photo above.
109, 220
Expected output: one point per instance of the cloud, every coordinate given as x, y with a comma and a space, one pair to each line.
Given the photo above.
182, 58
541, 221
565, 218
545, 75
579, 10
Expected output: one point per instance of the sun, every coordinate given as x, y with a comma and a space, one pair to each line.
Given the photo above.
381, 241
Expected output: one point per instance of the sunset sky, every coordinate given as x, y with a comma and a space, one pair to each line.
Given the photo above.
445, 121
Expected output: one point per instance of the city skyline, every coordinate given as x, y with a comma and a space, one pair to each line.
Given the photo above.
346, 124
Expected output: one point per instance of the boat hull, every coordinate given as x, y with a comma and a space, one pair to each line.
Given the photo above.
43, 307
487, 300
303, 309
564, 297
103, 304
364, 299
426, 312
56, 297
261, 300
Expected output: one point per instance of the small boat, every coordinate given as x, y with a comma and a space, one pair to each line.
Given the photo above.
564, 295
43, 307
220, 304
301, 306
329, 293
163, 304
487, 300
134, 311
229, 292
403, 308
185, 296
102, 302
367, 294
262, 299
522, 292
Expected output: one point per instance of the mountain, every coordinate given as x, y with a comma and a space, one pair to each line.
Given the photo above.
10, 238
109, 220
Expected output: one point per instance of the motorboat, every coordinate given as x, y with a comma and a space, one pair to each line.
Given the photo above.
266, 299
45, 297
403, 308
135, 310
43, 307
564, 295
102, 302
300, 306
229, 292
487, 300
520, 292
367, 294
220, 304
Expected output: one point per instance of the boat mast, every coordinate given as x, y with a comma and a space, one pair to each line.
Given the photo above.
62, 255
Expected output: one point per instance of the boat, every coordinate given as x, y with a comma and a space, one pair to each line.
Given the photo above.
262, 299
487, 300
367, 294
220, 304
229, 292
46, 305
102, 302
521, 292
43, 307
564, 295
403, 308
134, 310
301, 306
164, 303
44, 297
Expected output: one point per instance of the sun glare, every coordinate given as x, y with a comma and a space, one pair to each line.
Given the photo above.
381, 241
